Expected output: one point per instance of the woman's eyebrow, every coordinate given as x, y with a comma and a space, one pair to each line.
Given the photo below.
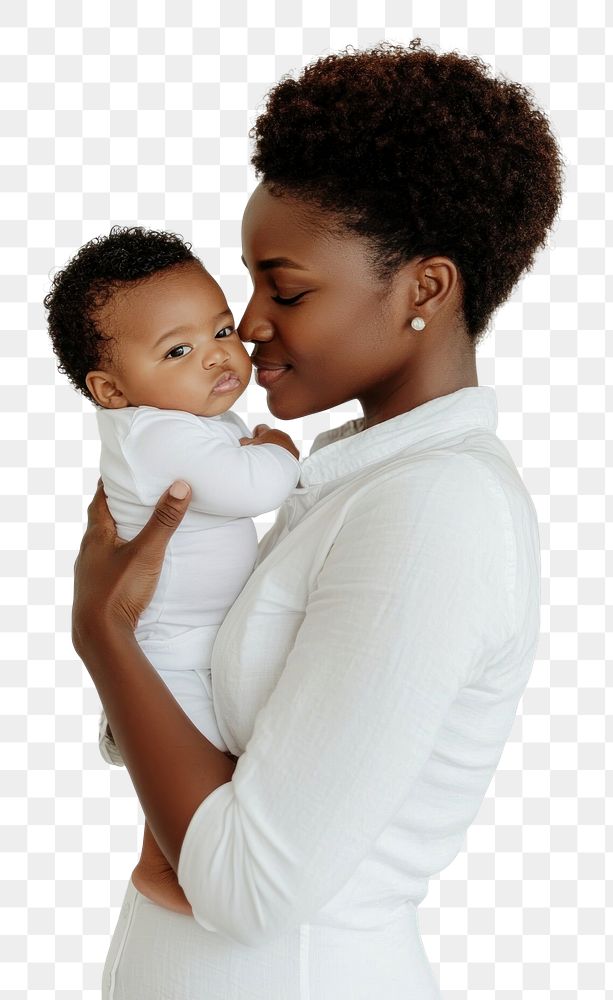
267, 265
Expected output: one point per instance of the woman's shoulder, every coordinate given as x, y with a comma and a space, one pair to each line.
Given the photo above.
432, 472
442, 491
483, 476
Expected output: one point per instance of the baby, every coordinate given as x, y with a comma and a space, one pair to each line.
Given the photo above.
144, 332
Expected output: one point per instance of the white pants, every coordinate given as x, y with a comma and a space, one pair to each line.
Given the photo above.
157, 954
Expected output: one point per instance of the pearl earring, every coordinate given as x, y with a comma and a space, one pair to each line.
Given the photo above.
418, 323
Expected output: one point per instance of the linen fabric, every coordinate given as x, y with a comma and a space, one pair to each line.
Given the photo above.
367, 676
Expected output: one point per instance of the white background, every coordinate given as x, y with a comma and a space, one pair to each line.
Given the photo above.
138, 112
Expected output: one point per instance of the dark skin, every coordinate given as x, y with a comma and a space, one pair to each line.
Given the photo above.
347, 337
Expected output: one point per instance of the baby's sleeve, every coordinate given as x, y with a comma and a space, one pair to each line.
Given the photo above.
226, 478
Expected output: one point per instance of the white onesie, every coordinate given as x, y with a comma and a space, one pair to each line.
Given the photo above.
213, 551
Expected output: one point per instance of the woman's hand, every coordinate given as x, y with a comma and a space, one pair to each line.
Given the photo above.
114, 580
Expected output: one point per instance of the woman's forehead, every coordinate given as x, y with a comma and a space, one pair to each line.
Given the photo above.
284, 231
273, 216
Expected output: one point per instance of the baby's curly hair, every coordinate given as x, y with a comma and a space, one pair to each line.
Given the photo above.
421, 153
78, 292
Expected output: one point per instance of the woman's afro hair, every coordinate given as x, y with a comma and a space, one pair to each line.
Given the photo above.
420, 153
78, 292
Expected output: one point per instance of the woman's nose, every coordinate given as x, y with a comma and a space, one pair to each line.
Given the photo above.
252, 327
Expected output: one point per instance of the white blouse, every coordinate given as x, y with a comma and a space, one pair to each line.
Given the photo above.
368, 675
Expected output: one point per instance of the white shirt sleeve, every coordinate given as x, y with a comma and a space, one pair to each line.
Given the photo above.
413, 598
226, 478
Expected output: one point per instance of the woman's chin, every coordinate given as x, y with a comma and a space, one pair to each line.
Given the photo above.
288, 406
283, 409
291, 412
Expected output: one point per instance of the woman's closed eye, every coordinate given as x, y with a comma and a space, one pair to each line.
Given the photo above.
287, 302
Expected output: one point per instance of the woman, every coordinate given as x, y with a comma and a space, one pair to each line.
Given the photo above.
367, 677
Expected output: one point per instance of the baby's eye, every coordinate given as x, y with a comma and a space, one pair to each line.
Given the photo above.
181, 347
228, 330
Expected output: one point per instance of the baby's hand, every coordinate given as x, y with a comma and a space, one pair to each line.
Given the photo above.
263, 434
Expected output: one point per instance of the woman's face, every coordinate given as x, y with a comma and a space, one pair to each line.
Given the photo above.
341, 333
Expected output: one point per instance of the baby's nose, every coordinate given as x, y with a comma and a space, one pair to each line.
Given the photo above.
215, 356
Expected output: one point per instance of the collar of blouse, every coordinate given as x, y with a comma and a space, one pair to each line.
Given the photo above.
346, 449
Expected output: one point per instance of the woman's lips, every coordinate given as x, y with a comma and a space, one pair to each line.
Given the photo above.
227, 383
267, 376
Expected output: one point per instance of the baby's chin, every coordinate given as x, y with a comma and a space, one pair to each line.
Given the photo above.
216, 404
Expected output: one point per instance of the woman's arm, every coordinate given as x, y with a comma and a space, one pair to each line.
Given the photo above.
114, 582
155, 878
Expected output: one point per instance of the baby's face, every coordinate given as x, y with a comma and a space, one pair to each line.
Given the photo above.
174, 341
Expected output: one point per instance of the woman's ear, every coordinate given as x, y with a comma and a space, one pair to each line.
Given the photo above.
438, 284
105, 390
